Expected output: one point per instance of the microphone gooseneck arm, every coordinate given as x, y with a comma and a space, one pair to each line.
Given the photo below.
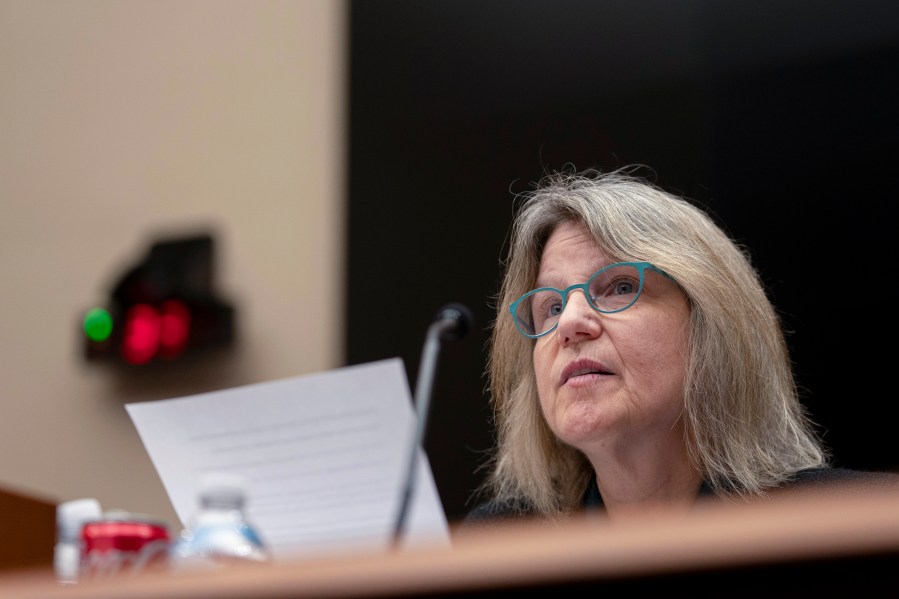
451, 323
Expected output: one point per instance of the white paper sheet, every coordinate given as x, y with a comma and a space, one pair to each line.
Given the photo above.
325, 454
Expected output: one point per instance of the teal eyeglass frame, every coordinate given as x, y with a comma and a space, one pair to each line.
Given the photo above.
641, 267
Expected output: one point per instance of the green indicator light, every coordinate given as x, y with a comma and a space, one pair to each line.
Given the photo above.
97, 324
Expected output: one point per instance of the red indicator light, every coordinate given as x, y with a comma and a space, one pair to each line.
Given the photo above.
174, 329
140, 336
149, 332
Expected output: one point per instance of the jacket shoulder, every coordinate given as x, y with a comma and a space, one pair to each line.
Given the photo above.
832, 476
495, 510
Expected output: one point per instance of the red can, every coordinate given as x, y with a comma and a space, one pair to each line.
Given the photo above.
123, 543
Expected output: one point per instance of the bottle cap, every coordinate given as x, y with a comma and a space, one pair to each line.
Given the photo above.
71, 516
223, 488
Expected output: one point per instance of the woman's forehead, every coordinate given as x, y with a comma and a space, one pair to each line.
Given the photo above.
571, 240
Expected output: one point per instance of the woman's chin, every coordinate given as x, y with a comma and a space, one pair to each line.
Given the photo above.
585, 427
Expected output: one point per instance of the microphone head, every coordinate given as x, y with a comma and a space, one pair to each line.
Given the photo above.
456, 319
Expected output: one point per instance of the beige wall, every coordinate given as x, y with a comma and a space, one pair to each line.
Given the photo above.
120, 119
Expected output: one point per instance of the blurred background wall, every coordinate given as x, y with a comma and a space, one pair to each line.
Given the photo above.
125, 120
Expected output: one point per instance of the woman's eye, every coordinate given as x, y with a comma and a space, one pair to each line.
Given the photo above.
624, 288
546, 307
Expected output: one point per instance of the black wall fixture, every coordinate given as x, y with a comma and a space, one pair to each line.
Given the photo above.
162, 310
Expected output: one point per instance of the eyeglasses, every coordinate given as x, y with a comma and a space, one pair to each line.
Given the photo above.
612, 289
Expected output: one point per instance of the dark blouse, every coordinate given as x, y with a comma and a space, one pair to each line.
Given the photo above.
494, 510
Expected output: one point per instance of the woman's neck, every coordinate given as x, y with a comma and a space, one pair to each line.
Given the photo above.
636, 484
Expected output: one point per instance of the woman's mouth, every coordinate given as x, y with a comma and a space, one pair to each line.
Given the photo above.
582, 370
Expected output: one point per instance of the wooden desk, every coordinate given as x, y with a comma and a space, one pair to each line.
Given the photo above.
28, 525
837, 542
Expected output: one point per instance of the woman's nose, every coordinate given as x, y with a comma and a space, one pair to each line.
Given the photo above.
579, 321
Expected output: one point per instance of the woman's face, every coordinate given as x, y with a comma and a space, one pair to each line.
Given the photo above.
610, 381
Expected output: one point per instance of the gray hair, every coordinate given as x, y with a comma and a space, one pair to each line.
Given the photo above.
746, 430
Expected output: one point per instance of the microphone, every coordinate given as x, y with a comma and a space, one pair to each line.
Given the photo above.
451, 323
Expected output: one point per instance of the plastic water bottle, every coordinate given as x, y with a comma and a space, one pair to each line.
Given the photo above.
70, 517
219, 532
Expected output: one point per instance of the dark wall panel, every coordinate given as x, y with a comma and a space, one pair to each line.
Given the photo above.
782, 122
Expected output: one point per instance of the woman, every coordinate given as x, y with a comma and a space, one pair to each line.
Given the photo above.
636, 362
